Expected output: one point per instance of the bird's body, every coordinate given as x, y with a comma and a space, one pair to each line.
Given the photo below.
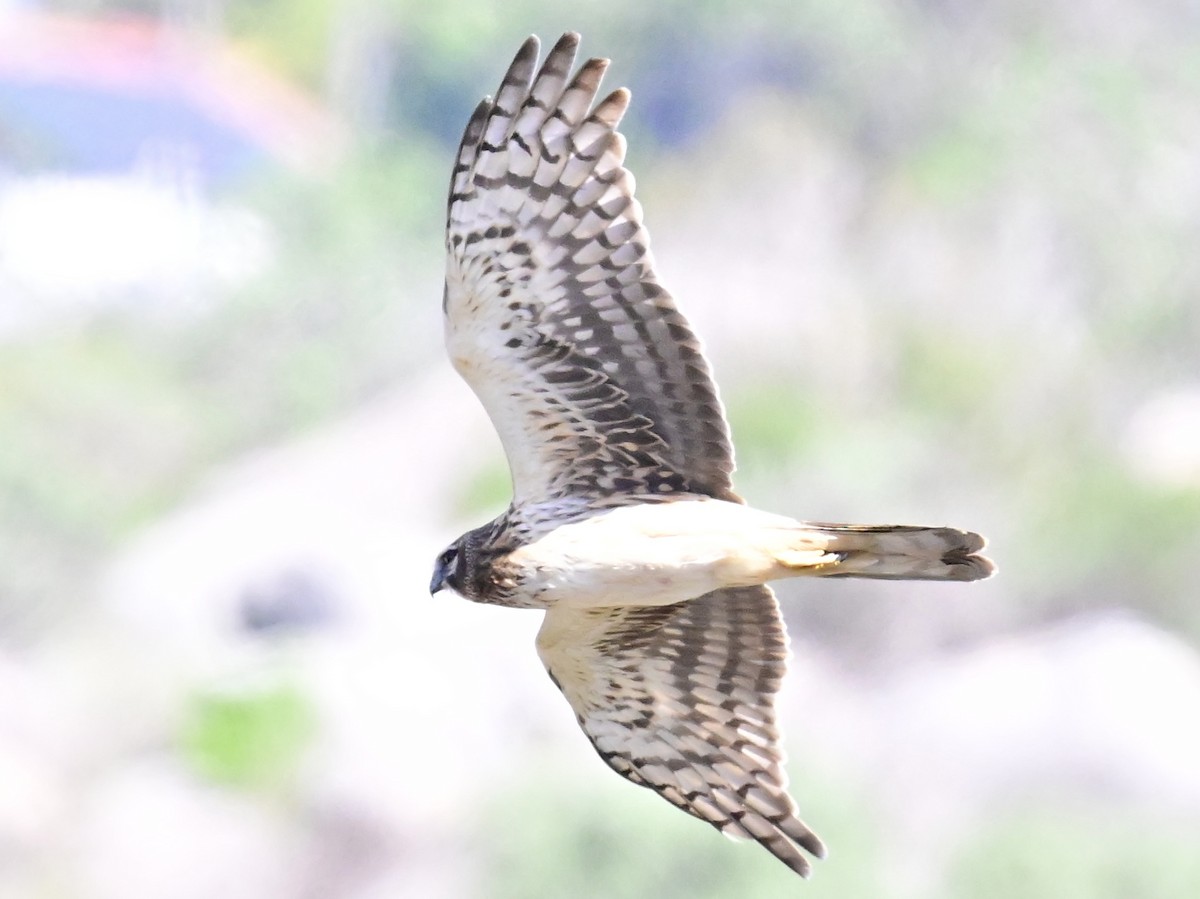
657, 554
662, 552
624, 525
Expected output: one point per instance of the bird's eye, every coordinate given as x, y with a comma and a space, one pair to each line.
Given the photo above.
447, 558
445, 571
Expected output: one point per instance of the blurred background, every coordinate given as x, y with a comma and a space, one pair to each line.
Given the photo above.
944, 257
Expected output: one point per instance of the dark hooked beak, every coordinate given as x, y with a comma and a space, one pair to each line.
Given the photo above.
440, 573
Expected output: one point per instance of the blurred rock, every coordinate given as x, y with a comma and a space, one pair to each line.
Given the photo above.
294, 601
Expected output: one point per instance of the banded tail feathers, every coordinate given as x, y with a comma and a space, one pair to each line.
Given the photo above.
895, 552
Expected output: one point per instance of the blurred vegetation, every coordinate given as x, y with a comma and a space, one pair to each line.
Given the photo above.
252, 738
1077, 853
622, 842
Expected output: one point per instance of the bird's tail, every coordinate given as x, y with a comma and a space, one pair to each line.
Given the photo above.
891, 552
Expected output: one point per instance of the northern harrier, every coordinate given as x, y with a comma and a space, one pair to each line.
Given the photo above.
624, 527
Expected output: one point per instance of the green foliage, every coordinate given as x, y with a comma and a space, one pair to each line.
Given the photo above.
545, 836
485, 491
88, 388
95, 437
943, 377
1092, 529
1096, 853
773, 424
253, 739
292, 35
956, 164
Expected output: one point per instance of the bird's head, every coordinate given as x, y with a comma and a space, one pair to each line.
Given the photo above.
450, 569
466, 565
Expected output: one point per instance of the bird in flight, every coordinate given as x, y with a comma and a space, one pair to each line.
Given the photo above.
660, 629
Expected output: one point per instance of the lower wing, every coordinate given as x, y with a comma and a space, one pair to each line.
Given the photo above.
681, 699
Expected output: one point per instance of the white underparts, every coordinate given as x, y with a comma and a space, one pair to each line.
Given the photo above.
663, 553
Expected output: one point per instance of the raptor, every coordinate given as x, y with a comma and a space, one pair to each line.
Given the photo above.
659, 629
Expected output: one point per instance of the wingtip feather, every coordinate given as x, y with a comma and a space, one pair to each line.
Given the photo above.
527, 53
612, 108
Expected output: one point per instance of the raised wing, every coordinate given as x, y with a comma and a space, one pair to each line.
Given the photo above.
680, 699
592, 377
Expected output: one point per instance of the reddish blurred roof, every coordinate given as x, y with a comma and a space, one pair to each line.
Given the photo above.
93, 93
